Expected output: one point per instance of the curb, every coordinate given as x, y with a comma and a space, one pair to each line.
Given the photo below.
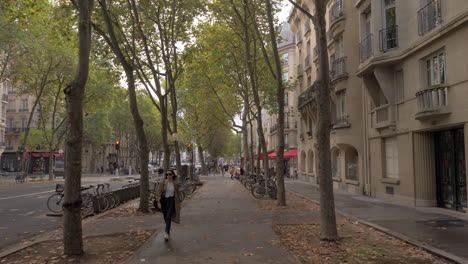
435, 251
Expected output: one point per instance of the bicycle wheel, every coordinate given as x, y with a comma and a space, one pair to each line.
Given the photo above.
103, 204
272, 193
191, 189
257, 192
248, 185
55, 202
110, 201
181, 195
116, 199
87, 206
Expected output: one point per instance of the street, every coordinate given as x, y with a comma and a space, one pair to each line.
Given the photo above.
23, 210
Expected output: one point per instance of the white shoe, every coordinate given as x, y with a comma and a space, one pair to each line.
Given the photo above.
166, 237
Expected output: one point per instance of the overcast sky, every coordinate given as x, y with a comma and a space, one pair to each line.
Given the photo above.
283, 14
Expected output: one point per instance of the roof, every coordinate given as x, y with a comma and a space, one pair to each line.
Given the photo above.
286, 36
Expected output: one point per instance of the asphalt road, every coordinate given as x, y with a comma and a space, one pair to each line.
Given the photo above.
23, 211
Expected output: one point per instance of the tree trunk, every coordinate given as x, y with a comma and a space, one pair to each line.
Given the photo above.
202, 160
72, 231
328, 229
251, 150
280, 96
143, 144
164, 128
51, 162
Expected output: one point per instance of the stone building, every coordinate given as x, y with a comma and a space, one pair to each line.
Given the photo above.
399, 98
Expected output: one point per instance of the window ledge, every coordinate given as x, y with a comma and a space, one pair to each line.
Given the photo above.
390, 181
337, 179
353, 182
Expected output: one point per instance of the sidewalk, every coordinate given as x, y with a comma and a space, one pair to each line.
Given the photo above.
442, 230
220, 224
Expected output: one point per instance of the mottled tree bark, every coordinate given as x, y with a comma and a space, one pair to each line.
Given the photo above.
72, 230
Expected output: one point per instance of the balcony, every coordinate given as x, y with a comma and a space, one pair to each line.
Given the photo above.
341, 122
432, 103
14, 130
12, 92
383, 116
307, 62
388, 38
273, 129
307, 27
336, 12
23, 110
429, 17
10, 110
365, 48
306, 97
329, 37
298, 38
338, 69
9, 148
300, 70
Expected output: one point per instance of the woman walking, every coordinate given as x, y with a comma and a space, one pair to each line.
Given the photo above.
169, 200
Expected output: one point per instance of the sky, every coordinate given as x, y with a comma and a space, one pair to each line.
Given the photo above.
284, 13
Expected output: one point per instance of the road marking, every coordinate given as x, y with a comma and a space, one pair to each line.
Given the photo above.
29, 213
24, 195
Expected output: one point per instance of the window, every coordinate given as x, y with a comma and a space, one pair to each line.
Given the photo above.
285, 59
339, 48
285, 76
286, 99
24, 105
23, 124
286, 120
389, 14
309, 126
399, 86
391, 158
286, 142
10, 123
336, 163
341, 105
435, 69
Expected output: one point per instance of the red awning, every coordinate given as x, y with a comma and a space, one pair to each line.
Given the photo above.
242, 158
292, 153
36, 155
272, 155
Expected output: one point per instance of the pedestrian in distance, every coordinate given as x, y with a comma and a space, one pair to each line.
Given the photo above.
232, 171
169, 201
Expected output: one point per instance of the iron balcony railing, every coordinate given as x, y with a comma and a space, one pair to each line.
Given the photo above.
388, 38
273, 128
341, 121
307, 62
12, 92
24, 110
14, 130
336, 11
365, 48
300, 70
338, 68
298, 38
307, 26
9, 148
429, 17
306, 97
11, 110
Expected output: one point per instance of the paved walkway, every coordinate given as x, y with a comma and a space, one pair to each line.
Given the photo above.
439, 228
220, 224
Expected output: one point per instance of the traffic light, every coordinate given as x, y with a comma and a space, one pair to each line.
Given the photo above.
189, 146
117, 144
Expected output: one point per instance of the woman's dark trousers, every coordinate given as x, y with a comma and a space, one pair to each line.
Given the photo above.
168, 208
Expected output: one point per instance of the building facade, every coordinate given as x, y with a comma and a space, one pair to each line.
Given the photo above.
399, 98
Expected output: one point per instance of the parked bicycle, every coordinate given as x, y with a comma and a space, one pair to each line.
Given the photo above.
258, 190
55, 201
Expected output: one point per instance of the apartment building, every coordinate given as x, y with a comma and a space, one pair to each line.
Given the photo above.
347, 142
399, 98
415, 80
4, 85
